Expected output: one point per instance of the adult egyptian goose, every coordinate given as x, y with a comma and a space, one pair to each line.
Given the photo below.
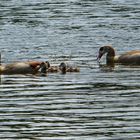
29, 67
128, 58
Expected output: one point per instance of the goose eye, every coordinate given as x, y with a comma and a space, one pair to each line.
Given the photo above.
101, 49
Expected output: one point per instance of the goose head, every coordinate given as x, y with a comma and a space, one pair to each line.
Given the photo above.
106, 50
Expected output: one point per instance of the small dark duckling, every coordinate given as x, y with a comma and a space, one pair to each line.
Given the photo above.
63, 68
66, 68
45, 67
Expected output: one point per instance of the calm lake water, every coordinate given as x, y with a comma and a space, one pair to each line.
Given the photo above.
95, 104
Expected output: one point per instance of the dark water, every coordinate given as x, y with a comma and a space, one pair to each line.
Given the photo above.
94, 104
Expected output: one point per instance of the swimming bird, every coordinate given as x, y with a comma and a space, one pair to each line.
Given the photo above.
128, 58
29, 67
67, 68
46, 67
63, 68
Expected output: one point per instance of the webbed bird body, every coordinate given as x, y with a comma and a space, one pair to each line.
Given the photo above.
128, 58
29, 67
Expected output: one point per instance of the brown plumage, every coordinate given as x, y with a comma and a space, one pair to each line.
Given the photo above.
29, 67
128, 58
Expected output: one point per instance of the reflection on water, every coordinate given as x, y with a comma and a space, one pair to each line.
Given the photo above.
99, 102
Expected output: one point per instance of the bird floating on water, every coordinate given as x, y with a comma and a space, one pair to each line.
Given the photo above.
63, 68
29, 67
128, 58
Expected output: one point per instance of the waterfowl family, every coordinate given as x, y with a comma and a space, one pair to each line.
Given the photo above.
29, 67
128, 58
63, 68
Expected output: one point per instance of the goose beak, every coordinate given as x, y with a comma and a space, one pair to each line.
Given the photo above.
99, 56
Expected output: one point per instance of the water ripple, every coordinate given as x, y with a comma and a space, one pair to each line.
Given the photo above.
97, 103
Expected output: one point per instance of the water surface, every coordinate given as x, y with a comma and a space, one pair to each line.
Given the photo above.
97, 103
